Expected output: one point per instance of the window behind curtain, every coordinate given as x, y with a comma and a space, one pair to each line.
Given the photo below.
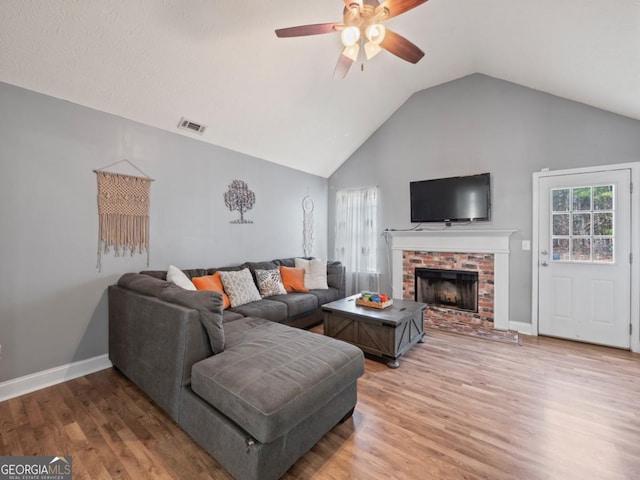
356, 237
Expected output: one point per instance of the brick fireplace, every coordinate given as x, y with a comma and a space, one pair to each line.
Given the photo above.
485, 252
447, 288
459, 287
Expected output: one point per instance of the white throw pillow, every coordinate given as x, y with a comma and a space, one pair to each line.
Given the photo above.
239, 286
178, 277
269, 283
315, 273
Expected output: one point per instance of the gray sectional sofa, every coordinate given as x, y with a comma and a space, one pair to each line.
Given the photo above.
252, 390
300, 310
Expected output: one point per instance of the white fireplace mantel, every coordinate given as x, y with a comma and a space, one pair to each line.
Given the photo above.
463, 241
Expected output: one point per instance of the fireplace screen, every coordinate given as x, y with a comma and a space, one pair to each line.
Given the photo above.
447, 288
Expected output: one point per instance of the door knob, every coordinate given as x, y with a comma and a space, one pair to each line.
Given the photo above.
544, 264
544, 252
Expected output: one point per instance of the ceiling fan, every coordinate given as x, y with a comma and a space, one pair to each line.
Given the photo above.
362, 20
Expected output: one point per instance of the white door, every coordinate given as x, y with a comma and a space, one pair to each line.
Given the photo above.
584, 267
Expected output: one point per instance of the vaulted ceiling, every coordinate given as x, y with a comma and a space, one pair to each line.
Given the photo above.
219, 63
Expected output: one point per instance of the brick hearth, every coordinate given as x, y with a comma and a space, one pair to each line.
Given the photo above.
450, 318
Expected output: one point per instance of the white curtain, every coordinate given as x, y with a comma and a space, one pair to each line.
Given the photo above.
356, 237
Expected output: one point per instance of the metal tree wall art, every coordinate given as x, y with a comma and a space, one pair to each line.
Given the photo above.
239, 198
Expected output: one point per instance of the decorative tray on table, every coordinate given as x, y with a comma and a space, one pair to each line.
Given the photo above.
374, 300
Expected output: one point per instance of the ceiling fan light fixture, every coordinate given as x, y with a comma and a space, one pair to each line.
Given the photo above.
352, 51
375, 33
371, 49
361, 26
350, 36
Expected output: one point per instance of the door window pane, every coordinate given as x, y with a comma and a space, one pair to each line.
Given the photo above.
581, 251
561, 250
560, 199
561, 224
603, 223
582, 199
582, 224
603, 197
603, 250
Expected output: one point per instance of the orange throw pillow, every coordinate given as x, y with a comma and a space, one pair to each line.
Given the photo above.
212, 282
292, 279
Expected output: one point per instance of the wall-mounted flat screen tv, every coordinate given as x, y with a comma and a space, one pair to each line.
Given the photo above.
453, 199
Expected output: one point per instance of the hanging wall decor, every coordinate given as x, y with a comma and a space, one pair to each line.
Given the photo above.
239, 198
307, 225
123, 214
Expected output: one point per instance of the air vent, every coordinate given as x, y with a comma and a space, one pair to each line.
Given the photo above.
186, 124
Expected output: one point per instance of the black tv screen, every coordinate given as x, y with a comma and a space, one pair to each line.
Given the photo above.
454, 199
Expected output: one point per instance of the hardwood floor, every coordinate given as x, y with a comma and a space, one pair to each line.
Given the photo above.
457, 408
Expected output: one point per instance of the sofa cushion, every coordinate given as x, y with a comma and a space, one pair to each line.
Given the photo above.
271, 377
286, 262
240, 287
335, 275
162, 274
232, 268
144, 284
209, 306
269, 282
297, 303
229, 316
315, 273
326, 296
265, 308
253, 266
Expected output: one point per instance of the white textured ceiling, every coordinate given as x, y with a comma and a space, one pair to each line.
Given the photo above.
220, 63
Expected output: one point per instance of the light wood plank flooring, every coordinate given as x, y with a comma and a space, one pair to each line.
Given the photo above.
457, 408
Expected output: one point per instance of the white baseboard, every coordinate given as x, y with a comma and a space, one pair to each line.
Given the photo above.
521, 327
46, 378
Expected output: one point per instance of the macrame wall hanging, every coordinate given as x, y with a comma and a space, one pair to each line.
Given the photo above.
307, 225
123, 213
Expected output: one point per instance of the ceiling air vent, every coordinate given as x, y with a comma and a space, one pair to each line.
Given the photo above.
186, 124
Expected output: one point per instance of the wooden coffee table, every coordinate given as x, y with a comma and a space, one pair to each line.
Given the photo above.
387, 333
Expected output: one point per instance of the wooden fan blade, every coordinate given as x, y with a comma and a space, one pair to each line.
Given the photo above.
398, 7
401, 47
303, 30
342, 67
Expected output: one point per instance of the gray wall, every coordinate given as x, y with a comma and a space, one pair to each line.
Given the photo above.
53, 306
480, 124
